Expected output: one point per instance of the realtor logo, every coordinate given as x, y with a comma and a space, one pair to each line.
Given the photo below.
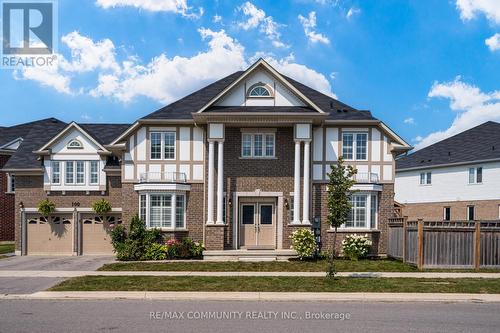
28, 33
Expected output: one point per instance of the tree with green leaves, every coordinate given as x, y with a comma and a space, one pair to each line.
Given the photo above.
339, 192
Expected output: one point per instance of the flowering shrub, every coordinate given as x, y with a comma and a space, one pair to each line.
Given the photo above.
155, 251
185, 249
355, 246
304, 243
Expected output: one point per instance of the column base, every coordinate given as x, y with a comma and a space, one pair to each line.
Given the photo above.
214, 237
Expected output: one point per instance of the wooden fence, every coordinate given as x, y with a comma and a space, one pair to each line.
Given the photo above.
445, 244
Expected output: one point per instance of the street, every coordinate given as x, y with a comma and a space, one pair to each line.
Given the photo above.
186, 316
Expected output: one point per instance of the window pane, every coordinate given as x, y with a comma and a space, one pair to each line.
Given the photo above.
360, 211
479, 175
155, 211
80, 172
156, 146
179, 211
266, 214
56, 173
447, 213
257, 145
422, 178
94, 172
169, 145
246, 145
471, 176
247, 215
470, 213
70, 173
361, 139
373, 211
166, 219
269, 145
347, 146
142, 208
429, 178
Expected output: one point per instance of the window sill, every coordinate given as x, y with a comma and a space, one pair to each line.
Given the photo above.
10, 192
475, 184
258, 158
169, 229
299, 224
357, 230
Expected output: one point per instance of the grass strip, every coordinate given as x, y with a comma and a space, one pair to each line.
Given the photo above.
278, 284
6, 248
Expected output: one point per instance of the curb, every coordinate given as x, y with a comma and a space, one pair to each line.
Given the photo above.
258, 296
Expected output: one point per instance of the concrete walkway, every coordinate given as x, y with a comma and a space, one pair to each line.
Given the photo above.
70, 274
259, 296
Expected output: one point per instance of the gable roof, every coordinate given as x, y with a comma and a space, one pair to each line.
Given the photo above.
480, 143
40, 131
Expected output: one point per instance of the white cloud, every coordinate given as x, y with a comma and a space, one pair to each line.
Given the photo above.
256, 18
409, 121
309, 25
470, 8
46, 76
216, 18
418, 138
473, 108
493, 42
352, 11
172, 6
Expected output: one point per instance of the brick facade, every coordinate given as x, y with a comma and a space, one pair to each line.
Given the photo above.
434, 211
7, 206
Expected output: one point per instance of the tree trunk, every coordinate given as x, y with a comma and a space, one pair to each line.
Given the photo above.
331, 269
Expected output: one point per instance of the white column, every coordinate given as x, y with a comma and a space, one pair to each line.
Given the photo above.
296, 185
307, 153
220, 183
210, 202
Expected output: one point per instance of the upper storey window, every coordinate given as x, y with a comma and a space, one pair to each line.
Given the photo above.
257, 145
354, 146
75, 144
259, 90
162, 145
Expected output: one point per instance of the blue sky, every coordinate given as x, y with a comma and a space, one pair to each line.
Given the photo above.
429, 69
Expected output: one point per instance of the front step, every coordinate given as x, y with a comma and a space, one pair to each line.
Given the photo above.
256, 259
249, 255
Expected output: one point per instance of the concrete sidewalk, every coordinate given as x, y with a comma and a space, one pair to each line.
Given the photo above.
260, 296
70, 274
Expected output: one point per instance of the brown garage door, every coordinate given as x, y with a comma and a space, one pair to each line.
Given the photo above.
96, 234
50, 236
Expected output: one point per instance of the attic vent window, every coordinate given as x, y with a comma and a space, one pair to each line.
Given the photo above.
75, 144
259, 90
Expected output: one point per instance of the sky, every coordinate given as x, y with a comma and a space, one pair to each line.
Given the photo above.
428, 69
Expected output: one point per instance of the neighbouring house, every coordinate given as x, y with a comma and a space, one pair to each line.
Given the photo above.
239, 164
454, 179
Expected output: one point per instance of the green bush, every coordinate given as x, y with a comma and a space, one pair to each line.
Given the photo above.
155, 251
184, 249
304, 243
197, 250
133, 245
102, 206
355, 247
46, 207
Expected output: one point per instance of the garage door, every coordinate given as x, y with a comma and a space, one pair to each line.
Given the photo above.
96, 234
52, 236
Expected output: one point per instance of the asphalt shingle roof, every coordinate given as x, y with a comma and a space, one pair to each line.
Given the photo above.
104, 133
476, 144
183, 108
8, 134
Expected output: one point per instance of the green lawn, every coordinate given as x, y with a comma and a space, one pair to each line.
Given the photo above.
278, 284
6, 248
375, 265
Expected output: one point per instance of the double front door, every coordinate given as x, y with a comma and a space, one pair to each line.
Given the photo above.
257, 224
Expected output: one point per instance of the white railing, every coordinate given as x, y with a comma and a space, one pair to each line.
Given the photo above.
366, 177
163, 177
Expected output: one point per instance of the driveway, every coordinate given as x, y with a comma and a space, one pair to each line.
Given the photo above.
16, 285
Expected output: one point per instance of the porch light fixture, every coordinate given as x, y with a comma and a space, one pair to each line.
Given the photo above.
230, 202
287, 206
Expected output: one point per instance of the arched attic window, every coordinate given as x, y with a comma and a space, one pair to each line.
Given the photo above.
259, 90
74, 144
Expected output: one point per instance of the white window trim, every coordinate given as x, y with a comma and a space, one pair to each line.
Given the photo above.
66, 173
475, 182
467, 212
262, 85
252, 145
444, 213
90, 172
52, 163
84, 173
367, 214
426, 173
162, 146
173, 205
78, 146
355, 145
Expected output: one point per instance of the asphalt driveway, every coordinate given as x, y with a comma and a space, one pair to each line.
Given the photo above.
16, 285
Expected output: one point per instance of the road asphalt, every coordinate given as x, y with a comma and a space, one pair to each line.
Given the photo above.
205, 316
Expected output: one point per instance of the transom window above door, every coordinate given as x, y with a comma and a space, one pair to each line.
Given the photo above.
162, 145
258, 145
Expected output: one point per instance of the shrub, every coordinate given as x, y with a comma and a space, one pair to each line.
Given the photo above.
197, 250
304, 243
155, 251
102, 206
46, 207
184, 249
355, 247
172, 248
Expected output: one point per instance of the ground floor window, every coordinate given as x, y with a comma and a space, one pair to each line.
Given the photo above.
163, 210
364, 212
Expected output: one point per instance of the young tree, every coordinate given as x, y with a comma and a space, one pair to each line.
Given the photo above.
339, 191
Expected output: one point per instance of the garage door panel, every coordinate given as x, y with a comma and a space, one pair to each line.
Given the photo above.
52, 236
96, 234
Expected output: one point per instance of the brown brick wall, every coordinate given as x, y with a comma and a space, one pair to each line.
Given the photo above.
484, 210
215, 236
29, 191
7, 206
379, 237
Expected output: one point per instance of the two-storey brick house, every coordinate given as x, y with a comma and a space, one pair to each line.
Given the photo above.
239, 165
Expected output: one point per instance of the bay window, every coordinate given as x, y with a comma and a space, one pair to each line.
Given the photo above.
354, 146
56, 172
94, 172
80, 172
257, 145
163, 210
364, 212
162, 145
